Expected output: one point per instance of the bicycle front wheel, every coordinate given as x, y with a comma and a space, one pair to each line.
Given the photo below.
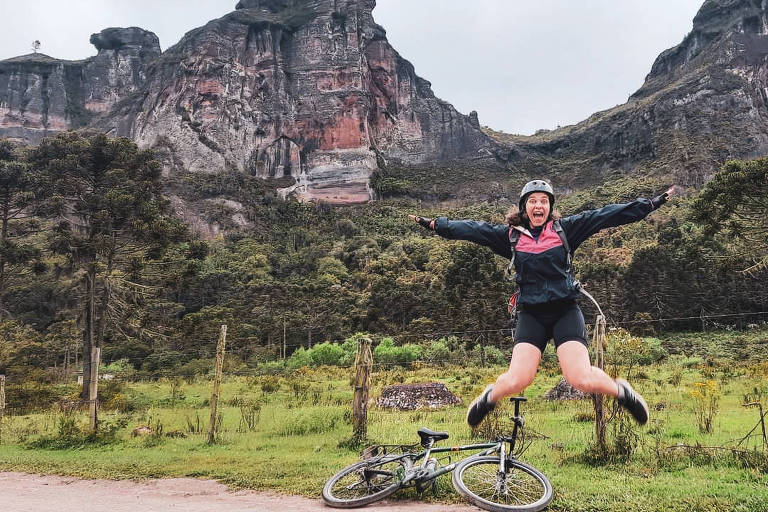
365, 482
521, 488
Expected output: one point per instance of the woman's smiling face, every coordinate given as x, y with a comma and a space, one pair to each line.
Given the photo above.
537, 209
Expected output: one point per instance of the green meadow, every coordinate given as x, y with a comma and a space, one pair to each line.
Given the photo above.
289, 432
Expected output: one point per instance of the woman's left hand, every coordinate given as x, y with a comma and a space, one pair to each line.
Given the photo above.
659, 200
672, 191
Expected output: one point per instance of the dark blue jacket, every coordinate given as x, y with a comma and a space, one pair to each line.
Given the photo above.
541, 264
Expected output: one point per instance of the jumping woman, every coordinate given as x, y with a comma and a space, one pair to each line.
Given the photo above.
533, 239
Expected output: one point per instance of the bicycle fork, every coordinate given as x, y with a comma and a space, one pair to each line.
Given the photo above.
501, 475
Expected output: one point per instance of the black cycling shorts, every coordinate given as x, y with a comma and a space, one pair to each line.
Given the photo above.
538, 325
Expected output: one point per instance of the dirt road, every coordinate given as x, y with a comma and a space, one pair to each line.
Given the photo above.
33, 493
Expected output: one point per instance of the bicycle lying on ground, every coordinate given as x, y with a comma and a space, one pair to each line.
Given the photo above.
492, 479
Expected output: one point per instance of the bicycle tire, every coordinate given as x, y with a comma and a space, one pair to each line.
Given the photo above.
365, 482
478, 480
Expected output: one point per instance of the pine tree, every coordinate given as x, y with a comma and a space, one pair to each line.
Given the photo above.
21, 191
107, 196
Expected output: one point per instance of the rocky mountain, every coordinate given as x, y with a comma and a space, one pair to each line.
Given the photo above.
305, 89
704, 101
40, 95
309, 94
309, 89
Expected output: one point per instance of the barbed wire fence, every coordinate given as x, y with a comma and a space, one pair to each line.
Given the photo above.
250, 350
504, 333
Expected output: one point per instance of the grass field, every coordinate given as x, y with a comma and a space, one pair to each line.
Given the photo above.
299, 424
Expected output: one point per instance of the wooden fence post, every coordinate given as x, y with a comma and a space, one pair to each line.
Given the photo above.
363, 366
93, 388
217, 383
2, 405
598, 343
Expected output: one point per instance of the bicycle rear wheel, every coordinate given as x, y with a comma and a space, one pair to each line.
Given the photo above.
365, 482
521, 488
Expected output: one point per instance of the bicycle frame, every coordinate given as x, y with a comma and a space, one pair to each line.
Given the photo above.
423, 473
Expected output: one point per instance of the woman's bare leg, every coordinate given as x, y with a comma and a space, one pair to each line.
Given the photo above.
522, 370
579, 372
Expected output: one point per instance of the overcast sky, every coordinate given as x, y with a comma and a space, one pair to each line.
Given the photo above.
522, 64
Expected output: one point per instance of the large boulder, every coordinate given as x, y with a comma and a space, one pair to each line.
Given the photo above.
118, 38
564, 391
409, 397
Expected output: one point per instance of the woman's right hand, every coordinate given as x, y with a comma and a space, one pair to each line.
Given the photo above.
423, 221
659, 200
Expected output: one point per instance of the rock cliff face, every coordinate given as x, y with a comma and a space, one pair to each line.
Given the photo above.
40, 95
704, 101
310, 92
309, 89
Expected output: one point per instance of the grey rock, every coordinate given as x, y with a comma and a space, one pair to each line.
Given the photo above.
409, 397
564, 391
308, 89
41, 95
121, 38
704, 102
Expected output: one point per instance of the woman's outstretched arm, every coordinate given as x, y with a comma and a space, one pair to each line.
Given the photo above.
581, 226
494, 236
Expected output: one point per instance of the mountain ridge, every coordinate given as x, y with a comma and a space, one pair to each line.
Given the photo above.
703, 102
312, 96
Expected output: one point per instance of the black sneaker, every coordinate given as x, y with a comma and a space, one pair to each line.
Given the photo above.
480, 407
632, 402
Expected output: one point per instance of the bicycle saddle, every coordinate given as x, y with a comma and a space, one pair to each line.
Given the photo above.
425, 434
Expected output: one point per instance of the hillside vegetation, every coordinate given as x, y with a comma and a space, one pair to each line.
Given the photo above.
299, 274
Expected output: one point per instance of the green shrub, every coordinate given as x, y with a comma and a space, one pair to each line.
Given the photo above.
691, 362
70, 433
112, 396
118, 402
298, 387
121, 369
33, 396
270, 384
271, 368
349, 350
437, 352
493, 356
653, 353
706, 404
388, 354
325, 354
299, 358
197, 367
250, 411
109, 388
163, 363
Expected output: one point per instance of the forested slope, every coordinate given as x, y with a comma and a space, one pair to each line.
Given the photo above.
305, 273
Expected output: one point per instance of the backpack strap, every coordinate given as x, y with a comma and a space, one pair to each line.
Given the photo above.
514, 236
569, 255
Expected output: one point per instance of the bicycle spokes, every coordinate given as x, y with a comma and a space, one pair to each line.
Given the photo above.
369, 479
512, 487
